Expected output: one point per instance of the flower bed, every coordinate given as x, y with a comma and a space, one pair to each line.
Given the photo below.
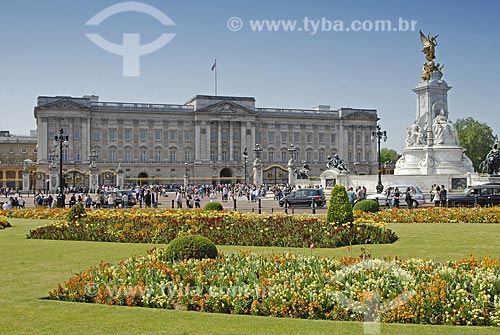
434, 214
222, 227
3, 222
465, 292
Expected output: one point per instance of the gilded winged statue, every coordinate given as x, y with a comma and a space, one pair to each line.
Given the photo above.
429, 44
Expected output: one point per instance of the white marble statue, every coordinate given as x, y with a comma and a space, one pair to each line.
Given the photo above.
443, 129
416, 135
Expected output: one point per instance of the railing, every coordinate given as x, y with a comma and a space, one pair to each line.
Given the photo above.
297, 111
135, 106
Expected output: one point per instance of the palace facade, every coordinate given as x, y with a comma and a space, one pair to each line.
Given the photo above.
203, 139
16, 152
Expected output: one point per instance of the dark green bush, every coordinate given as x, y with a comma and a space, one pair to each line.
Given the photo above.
213, 206
367, 206
76, 212
339, 208
190, 246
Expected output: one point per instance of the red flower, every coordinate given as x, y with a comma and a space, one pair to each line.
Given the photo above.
312, 246
348, 248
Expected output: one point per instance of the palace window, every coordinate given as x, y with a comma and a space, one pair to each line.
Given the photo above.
144, 155
76, 155
172, 156
296, 137
157, 135
187, 156
213, 156
236, 156
309, 137
158, 155
284, 156
333, 138
76, 134
97, 135
128, 155
224, 156
284, 138
187, 135
270, 137
143, 134
309, 156
321, 138
271, 156
112, 134
173, 135
128, 134
112, 155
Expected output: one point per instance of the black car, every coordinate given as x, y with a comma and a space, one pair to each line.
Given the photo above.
304, 197
118, 198
478, 195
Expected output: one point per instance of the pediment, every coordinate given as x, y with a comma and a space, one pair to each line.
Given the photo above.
226, 107
360, 115
65, 104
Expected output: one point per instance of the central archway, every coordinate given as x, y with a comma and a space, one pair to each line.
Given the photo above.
143, 178
226, 176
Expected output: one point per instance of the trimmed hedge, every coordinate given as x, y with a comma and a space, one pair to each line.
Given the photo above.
366, 205
190, 246
213, 206
76, 212
339, 208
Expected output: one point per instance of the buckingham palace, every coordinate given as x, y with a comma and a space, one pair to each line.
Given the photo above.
209, 139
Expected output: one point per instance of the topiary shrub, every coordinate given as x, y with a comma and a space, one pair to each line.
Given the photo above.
76, 212
339, 208
213, 206
366, 205
190, 246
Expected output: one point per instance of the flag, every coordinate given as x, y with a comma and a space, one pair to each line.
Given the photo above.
213, 66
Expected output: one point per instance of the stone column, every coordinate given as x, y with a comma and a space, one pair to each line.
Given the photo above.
209, 141
257, 172
93, 178
230, 141
119, 178
219, 141
53, 177
291, 172
243, 137
197, 141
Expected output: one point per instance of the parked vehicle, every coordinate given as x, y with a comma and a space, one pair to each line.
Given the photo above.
304, 197
132, 201
479, 195
418, 198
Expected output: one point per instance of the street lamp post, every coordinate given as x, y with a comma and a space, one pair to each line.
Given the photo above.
379, 135
61, 140
245, 158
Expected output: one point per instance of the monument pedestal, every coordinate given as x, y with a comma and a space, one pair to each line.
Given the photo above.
433, 160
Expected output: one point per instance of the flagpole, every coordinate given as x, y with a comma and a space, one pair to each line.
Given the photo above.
215, 65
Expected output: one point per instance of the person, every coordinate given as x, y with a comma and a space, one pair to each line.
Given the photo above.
360, 195
72, 200
436, 195
197, 201
408, 199
124, 200
212, 196
351, 195
148, 199
178, 199
442, 196
388, 197
188, 201
111, 201
395, 197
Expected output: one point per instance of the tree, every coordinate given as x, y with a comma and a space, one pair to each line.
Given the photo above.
388, 155
476, 137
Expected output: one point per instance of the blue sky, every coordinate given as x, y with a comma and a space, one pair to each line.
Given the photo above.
45, 52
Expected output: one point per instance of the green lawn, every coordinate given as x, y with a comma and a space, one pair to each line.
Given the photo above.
30, 268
